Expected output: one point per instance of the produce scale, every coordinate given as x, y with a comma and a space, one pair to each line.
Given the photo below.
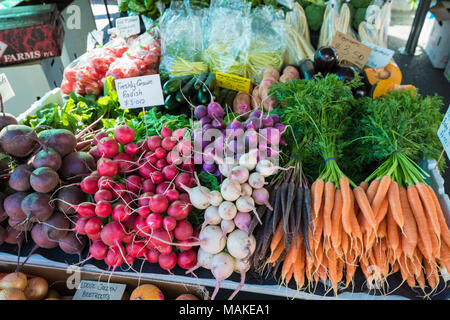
267, 147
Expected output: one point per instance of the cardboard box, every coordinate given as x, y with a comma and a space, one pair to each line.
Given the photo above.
30, 33
438, 46
57, 279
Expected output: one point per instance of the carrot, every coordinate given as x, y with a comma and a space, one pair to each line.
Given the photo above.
322, 271
421, 220
291, 254
289, 275
445, 232
340, 270
346, 204
329, 202
395, 267
350, 268
395, 205
345, 243
316, 193
333, 270
444, 259
430, 208
372, 189
381, 214
393, 235
277, 237
364, 206
409, 237
364, 185
420, 278
381, 194
336, 219
299, 274
431, 274
434, 241
356, 229
382, 229
318, 228
380, 258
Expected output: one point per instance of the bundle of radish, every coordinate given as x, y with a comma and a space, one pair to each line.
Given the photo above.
408, 224
319, 110
138, 206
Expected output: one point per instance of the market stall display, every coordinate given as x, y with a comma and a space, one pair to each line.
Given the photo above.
303, 172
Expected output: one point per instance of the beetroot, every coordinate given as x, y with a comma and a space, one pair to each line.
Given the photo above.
47, 158
67, 197
18, 140
37, 207
20, 178
76, 165
61, 140
3, 235
12, 205
44, 179
72, 243
57, 227
40, 239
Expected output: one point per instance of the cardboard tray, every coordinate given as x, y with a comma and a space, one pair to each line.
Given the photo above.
57, 279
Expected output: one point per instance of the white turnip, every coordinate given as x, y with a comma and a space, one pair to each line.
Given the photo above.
242, 221
249, 160
239, 174
240, 245
203, 260
247, 190
256, 180
222, 266
227, 210
230, 190
261, 197
227, 226
241, 266
211, 216
211, 240
215, 198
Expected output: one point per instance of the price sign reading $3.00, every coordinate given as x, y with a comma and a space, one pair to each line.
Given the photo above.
350, 50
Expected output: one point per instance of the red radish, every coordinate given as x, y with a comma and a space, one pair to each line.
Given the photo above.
98, 250
165, 249
148, 186
103, 195
94, 236
154, 221
94, 153
179, 133
133, 184
108, 147
172, 195
169, 223
187, 259
165, 186
113, 257
140, 226
167, 261
170, 172
131, 149
179, 210
153, 142
124, 134
143, 146
185, 147
160, 153
85, 209
118, 190
158, 203
124, 162
136, 249
151, 159
120, 212
166, 132
112, 233
160, 237
146, 170
183, 230
107, 167
89, 184
169, 143
184, 247
188, 165
129, 237
157, 177
105, 183
184, 178
103, 209
161, 164
184, 197
174, 157
129, 223
152, 255
79, 225
127, 200
143, 203
99, 136
93, 225
129, 260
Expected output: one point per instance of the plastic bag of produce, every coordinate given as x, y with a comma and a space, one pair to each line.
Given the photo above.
181, 29
142, 58
297, 39
332, 22
374, 27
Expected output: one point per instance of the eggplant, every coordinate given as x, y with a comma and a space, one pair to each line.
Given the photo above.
325, 58
344, 72
360, 92
307, 69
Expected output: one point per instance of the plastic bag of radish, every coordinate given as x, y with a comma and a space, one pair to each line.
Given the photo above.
138, 207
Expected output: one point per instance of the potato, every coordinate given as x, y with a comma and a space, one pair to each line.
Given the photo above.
270, 72
291, 73
16, 280
242, 104
12, 294
37, 288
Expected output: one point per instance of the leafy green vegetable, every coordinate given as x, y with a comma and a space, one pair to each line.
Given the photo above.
209, 181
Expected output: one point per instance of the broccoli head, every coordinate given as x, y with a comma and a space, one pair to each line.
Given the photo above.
360, 3
360, 15
314, 15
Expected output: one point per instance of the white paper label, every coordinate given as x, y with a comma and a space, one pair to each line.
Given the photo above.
140, 92
95, 290
5, 88
444, 133
128, 26
379, 57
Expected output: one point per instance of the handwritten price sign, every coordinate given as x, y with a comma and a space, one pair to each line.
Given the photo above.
444, 133
351, 50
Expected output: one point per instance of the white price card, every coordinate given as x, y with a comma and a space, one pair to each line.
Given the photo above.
444, 132
128, 26
96, 290
5, 88
140, 92
379, 56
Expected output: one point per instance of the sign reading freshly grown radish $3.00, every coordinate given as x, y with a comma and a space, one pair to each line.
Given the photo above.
444, 132
140, 92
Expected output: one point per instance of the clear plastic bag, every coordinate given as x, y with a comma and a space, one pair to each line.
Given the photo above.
330, 24
374, 28
181, 29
